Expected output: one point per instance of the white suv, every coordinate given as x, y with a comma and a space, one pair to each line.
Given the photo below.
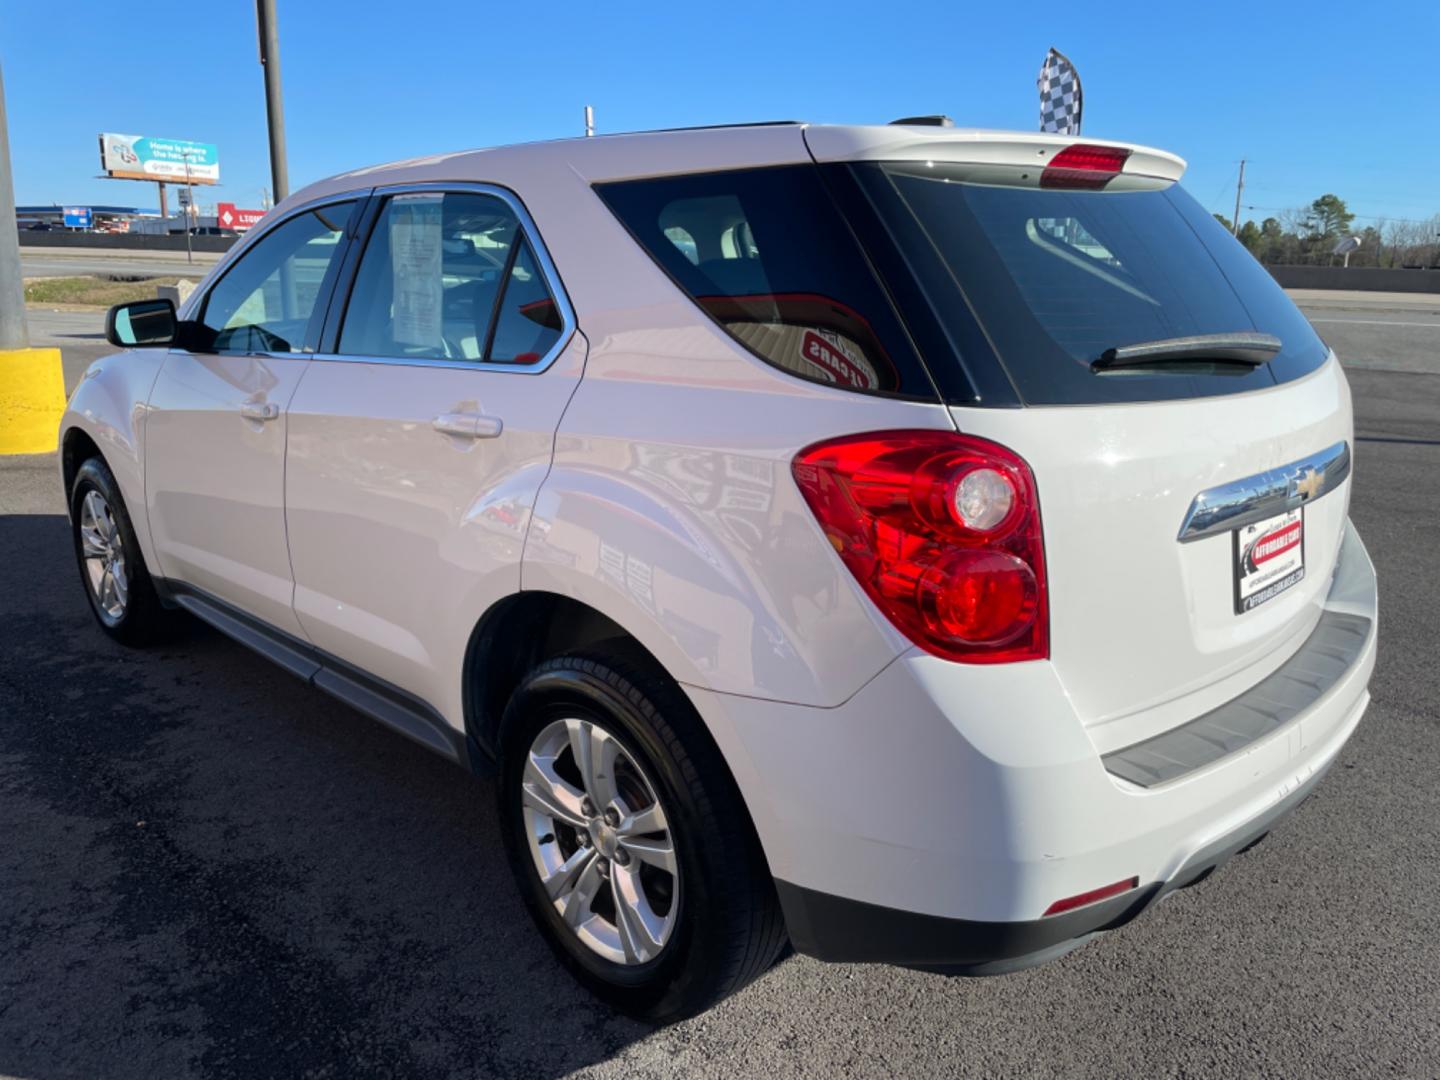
925, 545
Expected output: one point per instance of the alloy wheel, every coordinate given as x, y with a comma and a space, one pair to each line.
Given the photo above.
103, 550
601, 841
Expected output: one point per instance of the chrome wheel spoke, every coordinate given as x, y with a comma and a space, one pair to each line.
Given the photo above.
595, 755
545, 791
91, 542
121, 583
576, 900
657, 851
641, 930
568, 873
649, 820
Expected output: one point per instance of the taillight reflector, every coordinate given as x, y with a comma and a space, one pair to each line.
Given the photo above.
1079, 900
942, 531
1084, 166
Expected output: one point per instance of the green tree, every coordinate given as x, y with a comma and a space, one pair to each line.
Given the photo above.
1223, 220
1251, 236
1330, 217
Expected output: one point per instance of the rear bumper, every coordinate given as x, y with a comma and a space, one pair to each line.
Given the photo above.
836, 929
931, 820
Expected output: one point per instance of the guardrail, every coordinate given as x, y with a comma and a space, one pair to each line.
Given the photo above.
1365, 279
122, 241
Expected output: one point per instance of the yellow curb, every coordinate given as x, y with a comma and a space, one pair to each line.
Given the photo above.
32, 399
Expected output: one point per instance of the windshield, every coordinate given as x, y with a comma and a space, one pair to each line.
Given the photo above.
1054, 278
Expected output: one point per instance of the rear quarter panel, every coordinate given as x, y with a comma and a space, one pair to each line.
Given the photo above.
670, 506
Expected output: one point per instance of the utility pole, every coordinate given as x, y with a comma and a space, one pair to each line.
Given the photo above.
14, 332
269, 31
1239, 187
189, 209
589, 120
32, 382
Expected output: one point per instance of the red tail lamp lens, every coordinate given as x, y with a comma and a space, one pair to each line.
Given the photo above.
943, 533
1079, 900
1083, 166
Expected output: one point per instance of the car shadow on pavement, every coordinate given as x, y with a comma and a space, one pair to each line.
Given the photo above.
210, 867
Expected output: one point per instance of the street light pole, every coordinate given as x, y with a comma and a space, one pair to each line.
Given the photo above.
189, 206
14, 333
274, 105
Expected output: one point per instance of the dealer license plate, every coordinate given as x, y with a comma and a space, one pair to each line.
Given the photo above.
1269, 558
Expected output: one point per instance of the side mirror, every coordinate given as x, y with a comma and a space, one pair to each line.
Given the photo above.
141, 322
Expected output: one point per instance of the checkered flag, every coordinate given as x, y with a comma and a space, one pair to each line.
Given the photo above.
1060, 99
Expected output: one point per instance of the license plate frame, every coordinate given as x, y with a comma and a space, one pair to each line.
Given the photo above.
1267, 559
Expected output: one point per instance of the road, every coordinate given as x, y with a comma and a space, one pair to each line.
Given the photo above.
67, 262
209, 868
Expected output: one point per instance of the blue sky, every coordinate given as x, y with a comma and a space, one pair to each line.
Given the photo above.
1316, 95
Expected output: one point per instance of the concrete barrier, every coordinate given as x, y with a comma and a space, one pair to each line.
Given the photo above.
177, 294
1365, 279
123, 241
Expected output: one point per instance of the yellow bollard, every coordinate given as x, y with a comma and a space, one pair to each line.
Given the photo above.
32, 398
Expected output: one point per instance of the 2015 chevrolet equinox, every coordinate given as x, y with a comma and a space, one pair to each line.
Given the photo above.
926, 545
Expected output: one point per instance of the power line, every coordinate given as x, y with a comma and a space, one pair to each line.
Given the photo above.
1367, 217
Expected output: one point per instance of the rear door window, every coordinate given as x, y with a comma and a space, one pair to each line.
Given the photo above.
766, 254
1056, 277
450, 276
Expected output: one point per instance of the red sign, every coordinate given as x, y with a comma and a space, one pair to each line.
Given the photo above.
232, 217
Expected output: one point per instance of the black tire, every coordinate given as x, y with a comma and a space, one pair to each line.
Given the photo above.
144, 620
729, 929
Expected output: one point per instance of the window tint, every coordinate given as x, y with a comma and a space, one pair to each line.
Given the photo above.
265, 302
529, 322
766, 254
430, 283
1056, 277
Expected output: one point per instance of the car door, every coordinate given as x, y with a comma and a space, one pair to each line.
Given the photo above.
215, 426
421, 432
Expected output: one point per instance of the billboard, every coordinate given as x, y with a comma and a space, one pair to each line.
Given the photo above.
77, 217
138, 157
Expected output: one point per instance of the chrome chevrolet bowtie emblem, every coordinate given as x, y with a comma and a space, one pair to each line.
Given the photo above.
1307, 483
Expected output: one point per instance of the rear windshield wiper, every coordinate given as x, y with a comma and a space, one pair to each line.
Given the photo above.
1242, 348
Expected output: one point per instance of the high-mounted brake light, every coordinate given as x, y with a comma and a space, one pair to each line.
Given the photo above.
943, 533
1084, 166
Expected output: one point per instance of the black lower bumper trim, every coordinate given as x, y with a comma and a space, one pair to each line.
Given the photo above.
851, 931
838, 929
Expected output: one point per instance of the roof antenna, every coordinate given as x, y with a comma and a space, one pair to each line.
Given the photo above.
589, 120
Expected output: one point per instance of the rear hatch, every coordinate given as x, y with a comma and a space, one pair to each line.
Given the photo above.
1031, 274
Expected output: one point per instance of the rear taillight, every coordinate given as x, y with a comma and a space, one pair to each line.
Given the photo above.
943, 533
1084, 166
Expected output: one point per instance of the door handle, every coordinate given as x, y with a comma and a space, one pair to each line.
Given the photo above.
259, 410
466, 425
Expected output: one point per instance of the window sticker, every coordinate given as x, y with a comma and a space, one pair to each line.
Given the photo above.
416, 245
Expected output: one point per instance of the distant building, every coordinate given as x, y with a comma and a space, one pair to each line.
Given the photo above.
104, 219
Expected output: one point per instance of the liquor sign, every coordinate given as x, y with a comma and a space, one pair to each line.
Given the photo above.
138, 157
230, 216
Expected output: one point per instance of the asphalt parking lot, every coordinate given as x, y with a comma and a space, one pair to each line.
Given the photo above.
207, 868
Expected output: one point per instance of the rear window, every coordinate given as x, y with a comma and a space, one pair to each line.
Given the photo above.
769, 257
1054, 278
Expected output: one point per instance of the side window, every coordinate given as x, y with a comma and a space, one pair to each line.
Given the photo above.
265, 302
448, 277
529, 322
768, 256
